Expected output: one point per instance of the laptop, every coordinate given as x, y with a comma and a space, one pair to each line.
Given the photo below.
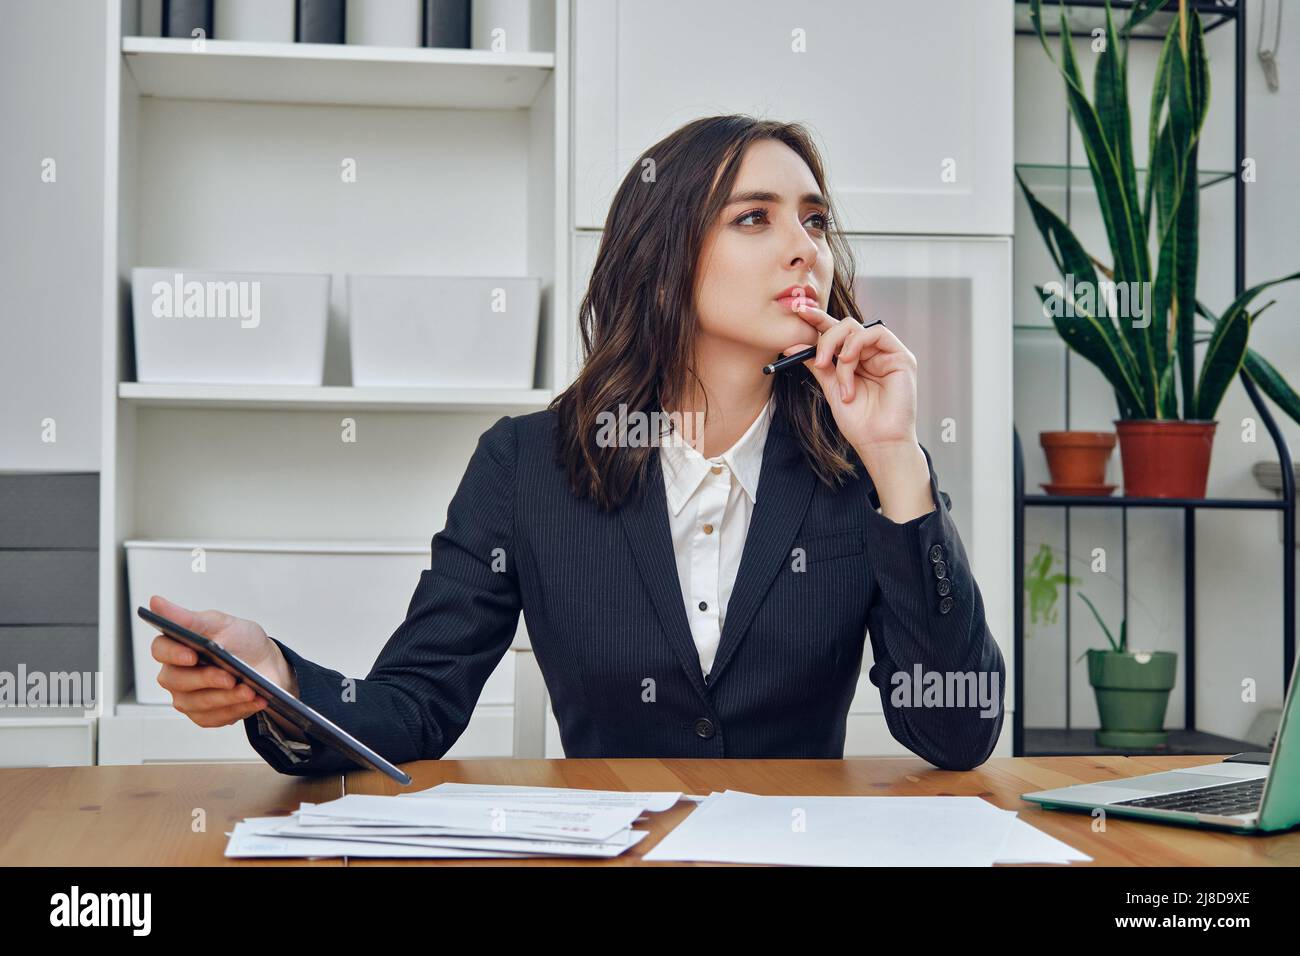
1246, 793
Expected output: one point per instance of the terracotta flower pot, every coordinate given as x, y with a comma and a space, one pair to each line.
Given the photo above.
1165, 458
1077, 458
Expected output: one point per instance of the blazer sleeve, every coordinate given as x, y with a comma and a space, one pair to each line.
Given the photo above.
419, 695
920, 625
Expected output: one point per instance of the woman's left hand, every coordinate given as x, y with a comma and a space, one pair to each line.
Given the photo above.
872, 394
872, 387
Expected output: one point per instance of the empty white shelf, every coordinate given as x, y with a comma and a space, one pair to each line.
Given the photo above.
327, 73
333, 397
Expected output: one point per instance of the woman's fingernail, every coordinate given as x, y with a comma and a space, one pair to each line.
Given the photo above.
844, 393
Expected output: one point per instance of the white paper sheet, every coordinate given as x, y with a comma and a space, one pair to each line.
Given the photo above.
735, 827
1028, 844
489, 817
653, 801
512, 846
245, 843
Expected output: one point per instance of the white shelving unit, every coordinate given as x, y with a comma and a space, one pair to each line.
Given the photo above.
229, 156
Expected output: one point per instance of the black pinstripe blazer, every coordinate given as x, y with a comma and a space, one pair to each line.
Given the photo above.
601, 599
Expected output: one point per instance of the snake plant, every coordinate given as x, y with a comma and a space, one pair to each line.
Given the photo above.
1147, 355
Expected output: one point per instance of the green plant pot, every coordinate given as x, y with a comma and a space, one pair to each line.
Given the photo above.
1132, 694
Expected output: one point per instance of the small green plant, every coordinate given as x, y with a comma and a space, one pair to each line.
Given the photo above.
1043, 586
1120, 646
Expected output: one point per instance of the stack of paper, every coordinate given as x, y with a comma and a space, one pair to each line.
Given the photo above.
737, 827
455, 820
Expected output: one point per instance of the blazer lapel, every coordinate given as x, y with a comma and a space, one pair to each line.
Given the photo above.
645, 521
785, 487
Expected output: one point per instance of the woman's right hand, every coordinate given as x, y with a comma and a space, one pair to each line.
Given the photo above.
205, 694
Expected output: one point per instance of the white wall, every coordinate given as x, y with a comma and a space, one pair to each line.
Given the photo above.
51, 233
1239, 602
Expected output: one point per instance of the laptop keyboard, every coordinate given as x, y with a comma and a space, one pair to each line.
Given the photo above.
1227, 799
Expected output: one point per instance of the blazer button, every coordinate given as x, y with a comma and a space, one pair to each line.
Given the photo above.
945, 605
940, 569
704, 728
944, 586
936, 553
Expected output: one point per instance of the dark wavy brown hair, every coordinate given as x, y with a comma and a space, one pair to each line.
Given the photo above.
638, 343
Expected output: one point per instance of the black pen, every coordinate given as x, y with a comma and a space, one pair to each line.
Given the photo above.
803, 355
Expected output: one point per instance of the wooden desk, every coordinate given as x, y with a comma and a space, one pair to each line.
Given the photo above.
141, 815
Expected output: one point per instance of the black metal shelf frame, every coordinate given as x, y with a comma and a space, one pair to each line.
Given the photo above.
1214, 13
1226, 10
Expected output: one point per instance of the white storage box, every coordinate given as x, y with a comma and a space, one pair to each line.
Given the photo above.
247, 328
336, 603
266, 21
526, 25
384, 22
444, 331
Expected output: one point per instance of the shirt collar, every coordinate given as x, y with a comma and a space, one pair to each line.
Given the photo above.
685, 468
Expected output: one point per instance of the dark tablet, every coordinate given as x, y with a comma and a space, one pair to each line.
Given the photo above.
279, 700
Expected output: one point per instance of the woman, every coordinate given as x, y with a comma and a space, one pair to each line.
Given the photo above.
673, 611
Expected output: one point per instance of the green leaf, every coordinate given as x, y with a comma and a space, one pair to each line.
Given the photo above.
1166, 394
1102, 624
1162, 179
1187, 228
1214, 382
1188, 99
1159, 93
1272, 384
1118, 201
1222, 362
1110, 87
1140, 11
1095, 338
1043, 587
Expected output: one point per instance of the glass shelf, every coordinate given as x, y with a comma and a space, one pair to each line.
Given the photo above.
1086, 15
1041, 176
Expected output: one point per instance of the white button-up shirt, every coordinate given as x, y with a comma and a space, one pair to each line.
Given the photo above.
710, 501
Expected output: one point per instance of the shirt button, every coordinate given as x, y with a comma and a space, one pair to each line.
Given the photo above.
704, 728
704, 606
716, 469
708, 529
945, 605
936, 553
